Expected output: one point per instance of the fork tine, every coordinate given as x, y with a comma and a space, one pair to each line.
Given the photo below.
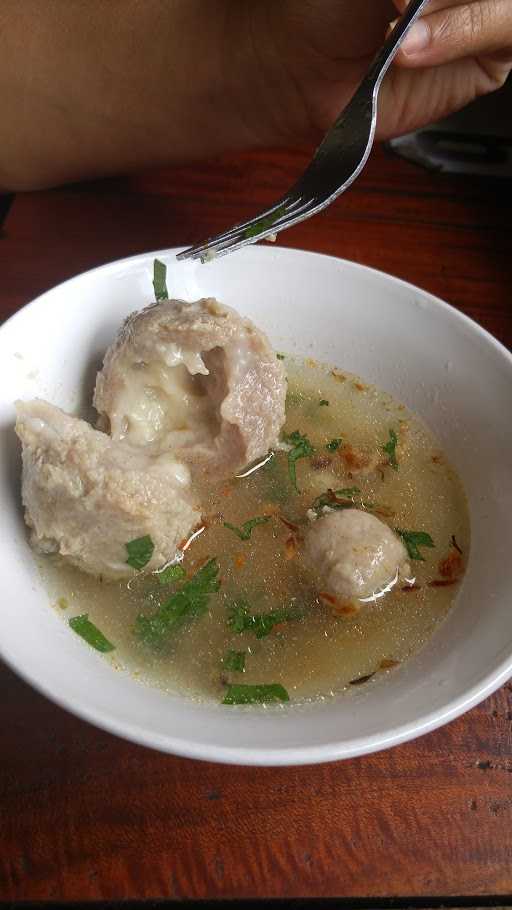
217, 251
239, 230
288, 202
236, 238
297, 204
336, 163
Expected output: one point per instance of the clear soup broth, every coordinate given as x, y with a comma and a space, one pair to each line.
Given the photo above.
317, 646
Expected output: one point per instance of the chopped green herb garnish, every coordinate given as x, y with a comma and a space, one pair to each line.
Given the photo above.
280, 356
274, 475
264, 223
171, 573
338, 499
413, 540
255, 695
390, 450
334, 444
139, 551
324, 403
235, 661
349, 498
349, 491
159, 283
90, 633
302, 448
244, 533
361, 679
241, 619
187, 603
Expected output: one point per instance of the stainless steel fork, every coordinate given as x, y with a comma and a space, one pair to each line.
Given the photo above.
337, 162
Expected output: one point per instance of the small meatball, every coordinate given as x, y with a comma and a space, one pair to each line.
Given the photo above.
195, 379
86, 496
354, 553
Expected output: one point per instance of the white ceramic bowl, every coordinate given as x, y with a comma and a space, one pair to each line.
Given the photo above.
438, 362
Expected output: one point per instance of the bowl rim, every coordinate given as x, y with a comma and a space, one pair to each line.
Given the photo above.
488, 683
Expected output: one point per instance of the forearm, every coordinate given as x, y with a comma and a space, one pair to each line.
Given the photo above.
94, 87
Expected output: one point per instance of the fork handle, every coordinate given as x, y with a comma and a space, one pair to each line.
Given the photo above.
379, 66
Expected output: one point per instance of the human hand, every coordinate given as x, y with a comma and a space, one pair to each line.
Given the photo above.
315, 52
456, 52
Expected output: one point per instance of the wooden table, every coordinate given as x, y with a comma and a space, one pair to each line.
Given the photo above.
86, 816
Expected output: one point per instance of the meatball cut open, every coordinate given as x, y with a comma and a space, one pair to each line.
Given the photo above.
86, 496
195, 379
354, 554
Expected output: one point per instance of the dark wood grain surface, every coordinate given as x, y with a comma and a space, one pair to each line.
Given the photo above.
85, 816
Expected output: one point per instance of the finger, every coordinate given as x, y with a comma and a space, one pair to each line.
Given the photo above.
431, 7
412, 98
474, 29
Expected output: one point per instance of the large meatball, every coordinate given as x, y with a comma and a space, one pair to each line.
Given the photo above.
86, 496
195, 379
